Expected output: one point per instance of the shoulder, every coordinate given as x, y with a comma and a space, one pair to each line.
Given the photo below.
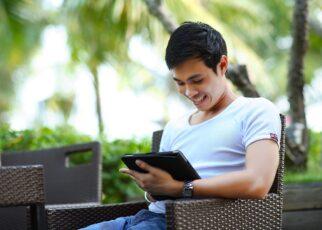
259, 110
261, 121
170, 130
259, 102
176, 123
259, 105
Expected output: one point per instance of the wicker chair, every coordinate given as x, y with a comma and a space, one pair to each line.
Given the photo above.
23, 186
64, 183
189, 214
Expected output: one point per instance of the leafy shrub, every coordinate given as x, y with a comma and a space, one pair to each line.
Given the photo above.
116, 186
39, 138
315, 150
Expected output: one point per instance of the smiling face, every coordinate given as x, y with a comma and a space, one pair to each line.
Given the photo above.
200, 84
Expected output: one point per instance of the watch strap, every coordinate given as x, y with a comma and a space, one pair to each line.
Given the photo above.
187, 191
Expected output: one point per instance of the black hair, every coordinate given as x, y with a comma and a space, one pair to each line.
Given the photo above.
195, 40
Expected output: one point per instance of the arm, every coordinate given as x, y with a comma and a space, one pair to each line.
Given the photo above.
252, 182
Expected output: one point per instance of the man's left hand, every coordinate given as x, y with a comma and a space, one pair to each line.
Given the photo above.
156, 181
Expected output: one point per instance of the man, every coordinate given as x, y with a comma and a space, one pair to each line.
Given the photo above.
231, 141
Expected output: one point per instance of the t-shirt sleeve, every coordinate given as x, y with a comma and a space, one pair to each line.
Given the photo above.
261, 122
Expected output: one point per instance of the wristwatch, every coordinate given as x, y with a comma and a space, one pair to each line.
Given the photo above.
187, 191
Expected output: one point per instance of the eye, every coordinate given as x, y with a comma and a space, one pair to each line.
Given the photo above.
179, 83
199, 81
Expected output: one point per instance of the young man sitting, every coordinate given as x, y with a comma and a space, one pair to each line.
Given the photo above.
231, 141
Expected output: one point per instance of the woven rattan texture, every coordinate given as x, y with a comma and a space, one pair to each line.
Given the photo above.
156, 139
64, 184
277, 186
21, 185
74, 218
225, 214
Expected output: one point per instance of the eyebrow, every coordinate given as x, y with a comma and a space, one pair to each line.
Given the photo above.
190, 78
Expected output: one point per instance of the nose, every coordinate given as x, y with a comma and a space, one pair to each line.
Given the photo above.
190, 92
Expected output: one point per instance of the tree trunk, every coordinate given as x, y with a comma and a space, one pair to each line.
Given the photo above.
238, 75
297, 132
156, 8
98, 101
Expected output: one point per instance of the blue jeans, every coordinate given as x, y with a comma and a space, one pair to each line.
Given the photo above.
143, 220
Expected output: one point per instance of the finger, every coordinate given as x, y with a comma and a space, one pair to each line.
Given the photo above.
132, 177
135, 177
128, 172
124, 170
146, 167
154, 171
134, 174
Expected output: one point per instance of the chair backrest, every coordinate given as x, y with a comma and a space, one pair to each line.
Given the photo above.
278, 183
277, 186
64, 184
21, 187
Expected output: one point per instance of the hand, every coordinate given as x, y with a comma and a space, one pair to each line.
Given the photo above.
156, 181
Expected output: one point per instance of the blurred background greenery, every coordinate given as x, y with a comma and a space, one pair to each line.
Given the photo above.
116, 186
101, 33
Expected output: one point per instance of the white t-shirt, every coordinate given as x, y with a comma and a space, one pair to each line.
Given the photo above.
218, 145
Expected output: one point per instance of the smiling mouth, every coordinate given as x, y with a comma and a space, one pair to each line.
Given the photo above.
199, 100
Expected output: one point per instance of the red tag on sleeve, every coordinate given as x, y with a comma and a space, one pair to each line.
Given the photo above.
273, 136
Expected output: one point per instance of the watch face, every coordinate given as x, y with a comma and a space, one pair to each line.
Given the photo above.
187, 189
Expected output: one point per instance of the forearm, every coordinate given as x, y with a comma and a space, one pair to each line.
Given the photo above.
253, 182
239, 184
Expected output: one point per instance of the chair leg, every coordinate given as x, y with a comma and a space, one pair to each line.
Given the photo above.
37, 215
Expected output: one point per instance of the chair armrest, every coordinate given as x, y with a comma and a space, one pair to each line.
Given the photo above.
74, 217
180, 214
225, 213
21, 185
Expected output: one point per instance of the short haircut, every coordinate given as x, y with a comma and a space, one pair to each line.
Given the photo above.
195, 40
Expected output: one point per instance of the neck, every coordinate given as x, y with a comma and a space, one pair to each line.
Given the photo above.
225, 100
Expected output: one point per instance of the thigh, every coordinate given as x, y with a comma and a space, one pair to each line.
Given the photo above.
153, 223
116, 224
146, 220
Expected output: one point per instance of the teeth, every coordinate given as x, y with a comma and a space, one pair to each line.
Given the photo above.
199, 99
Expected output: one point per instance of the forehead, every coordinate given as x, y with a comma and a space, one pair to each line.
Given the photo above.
189, 68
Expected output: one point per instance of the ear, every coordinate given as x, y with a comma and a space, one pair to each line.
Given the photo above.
222, 66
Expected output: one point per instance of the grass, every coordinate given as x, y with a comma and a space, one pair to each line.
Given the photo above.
311, 175
314, 163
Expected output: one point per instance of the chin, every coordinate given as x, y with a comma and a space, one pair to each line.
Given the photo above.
203, 109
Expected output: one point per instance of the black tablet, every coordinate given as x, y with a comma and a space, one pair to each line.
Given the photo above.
173, 162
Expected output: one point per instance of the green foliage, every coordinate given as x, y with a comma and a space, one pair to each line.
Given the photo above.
100, 31
116, 186
314, 163
39, 138
21, 24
